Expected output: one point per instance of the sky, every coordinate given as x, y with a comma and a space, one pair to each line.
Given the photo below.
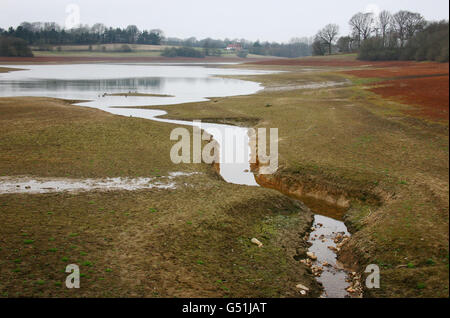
265, 20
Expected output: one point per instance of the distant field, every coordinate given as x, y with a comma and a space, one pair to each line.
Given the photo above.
95, 54
116, 50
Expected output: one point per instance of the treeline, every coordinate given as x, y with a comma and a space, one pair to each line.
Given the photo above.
297, 47
430, 44
44, 34
404, 35
14, 47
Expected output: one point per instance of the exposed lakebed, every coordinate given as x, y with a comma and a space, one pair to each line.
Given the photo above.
111, 88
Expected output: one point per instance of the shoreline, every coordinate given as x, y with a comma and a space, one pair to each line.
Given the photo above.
120, 59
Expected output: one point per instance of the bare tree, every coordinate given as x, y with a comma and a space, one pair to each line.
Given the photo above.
362, 26
328, 35
415, 23
49, 26
158, 32
385, 21
300, 40
132, 32
27, 26
406, 24
98, 28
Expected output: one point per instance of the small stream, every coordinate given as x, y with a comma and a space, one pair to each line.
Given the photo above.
326, 235
62, 83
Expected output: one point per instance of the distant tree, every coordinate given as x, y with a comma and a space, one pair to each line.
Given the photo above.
345, 44
151, 37
362, 26
191, 41
158, 32
98, 28
132, 32
14, 47
328, 35
373, 49
318, 47
430, 44
385, 25
406, 24
242, 54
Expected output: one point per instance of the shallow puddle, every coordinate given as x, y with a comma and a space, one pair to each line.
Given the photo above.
304, 86
10, 185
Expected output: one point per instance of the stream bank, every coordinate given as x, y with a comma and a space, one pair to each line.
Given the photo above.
327, 234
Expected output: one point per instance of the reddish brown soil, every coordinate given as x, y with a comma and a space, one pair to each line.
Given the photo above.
424, 85
404, 69
334, 61
420, 84
429, 93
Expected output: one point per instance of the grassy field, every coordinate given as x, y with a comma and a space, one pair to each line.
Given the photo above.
390, 161
96, 54
106, 50
153, 243
114, 47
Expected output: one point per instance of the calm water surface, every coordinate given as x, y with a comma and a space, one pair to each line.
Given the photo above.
91, 81
191, 83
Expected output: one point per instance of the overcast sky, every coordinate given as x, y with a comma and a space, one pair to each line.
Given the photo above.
273, 20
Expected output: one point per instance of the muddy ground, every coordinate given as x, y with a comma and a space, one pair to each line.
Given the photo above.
423, 85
